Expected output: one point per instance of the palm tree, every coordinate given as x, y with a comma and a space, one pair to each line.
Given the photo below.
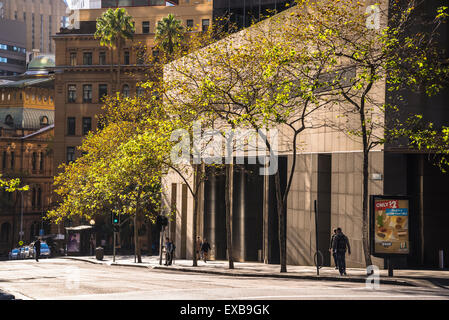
113, 28
169, 34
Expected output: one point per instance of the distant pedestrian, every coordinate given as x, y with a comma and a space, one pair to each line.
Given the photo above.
37, 249
205, 247
334, 253
340, 244
168, 252
199, 243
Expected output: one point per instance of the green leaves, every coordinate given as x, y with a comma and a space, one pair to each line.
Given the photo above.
113, 26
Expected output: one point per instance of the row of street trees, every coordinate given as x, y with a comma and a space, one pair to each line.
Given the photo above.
293, 72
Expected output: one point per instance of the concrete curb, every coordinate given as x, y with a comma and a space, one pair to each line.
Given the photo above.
410, 283
239, 273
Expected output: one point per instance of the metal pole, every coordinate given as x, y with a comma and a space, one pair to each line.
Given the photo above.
113, 259
316, 239
21, 218
160, 245
390, 267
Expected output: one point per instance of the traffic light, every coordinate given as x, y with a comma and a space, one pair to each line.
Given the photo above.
115, 218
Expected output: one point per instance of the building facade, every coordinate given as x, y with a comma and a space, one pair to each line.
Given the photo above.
26, 134
12, 47
42, 18
328, 172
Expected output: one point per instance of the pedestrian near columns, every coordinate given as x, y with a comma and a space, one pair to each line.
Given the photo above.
37, 249
205, 247
198, 248
340, 244
331, 250
168, 252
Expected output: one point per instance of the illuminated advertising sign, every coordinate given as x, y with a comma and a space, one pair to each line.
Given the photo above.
390, 225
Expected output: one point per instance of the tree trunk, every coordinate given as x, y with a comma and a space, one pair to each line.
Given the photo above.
118, 65
229, 194
195, 211
136, 238
365, 226
281, 224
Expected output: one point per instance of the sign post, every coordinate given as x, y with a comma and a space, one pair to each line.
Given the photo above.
389, 219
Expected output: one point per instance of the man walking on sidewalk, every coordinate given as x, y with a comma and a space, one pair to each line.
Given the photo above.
168, 251
37, 249
198, 248
205, 247
340, 244
332, 251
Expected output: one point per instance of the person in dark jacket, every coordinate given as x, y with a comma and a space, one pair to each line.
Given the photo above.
168, 252
37, 249
340, 244
205, 247
334, 253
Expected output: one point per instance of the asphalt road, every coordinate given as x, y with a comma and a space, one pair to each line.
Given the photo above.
64, 279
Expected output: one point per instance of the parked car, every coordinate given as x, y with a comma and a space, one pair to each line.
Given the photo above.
14, 254
25, 252
45, 250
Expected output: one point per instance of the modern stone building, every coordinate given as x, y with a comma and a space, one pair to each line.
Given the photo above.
12, 47
26, 152
328, 171
42, 18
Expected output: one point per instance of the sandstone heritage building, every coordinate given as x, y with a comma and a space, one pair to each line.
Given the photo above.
27, 124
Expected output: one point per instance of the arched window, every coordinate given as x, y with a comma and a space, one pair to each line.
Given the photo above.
44, 120
126, 91
5, 232
9, 120
140, 91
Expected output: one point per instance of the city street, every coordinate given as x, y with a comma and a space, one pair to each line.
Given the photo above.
65, 279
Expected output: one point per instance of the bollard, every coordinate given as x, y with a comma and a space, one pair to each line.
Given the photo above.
441, 259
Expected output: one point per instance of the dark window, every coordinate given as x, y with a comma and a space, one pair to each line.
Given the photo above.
205, 24
70, 154
140, 91
73, 58
34, 161
5, 155
71, 126
71, 95
33, 199
41, 162
140, 57
39, 197
12, 160
189, 25
9, 120
102, 58
102, 91
126, 58
87, 125
146, 27
126, 90
87, 93
44, 121
87, 58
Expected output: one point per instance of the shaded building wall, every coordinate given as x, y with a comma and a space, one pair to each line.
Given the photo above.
417, 176
344, 196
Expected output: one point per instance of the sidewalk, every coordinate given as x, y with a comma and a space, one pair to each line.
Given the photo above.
421, 278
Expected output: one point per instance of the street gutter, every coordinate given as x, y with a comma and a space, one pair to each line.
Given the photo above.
240, 273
